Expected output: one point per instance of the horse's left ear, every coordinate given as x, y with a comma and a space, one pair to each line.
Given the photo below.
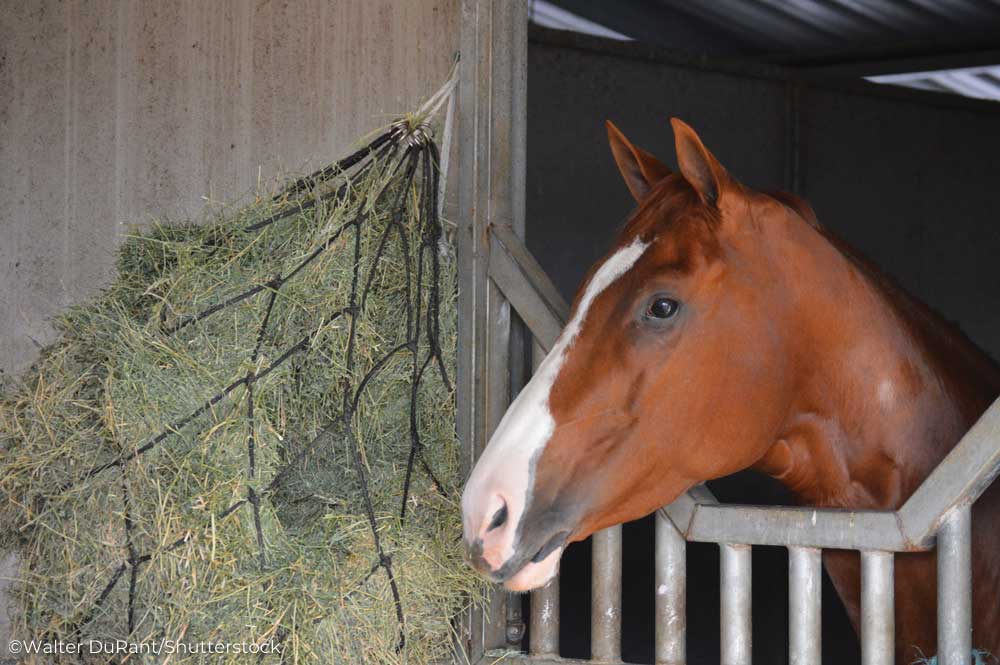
698, 166
639, 168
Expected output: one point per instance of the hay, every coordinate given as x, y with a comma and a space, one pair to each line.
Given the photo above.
178, 466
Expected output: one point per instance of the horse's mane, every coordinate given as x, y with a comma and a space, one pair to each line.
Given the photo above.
973, 372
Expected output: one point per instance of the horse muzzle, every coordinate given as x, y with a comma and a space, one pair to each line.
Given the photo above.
529, 568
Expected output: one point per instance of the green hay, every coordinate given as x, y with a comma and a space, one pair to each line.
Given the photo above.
179, 511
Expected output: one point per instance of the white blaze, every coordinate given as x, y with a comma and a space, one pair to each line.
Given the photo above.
505, 465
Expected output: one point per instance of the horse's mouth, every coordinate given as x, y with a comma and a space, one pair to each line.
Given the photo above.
539, 569
553, 543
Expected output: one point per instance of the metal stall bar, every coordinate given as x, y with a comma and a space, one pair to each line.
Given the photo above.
788, 526
954, 572
964, 474
527, 287
491, 158
671, 593
545, 620
878, 626
544, 601
735, 615
606, 595
805, 576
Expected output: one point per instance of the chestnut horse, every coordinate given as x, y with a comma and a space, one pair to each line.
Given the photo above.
726, 330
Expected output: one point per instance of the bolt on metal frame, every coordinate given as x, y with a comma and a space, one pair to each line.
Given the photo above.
497, 274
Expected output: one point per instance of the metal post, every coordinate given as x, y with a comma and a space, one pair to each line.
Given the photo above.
671, 593
545, 620
878, 626
805, 570
735, 617
544, 601
606, 596
491, 155
954, 585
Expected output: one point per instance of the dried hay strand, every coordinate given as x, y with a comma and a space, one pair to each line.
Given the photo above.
249, 436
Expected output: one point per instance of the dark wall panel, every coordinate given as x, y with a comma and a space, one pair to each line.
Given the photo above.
915, 188
576, 198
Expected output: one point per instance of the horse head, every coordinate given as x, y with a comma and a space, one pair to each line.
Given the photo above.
674, 367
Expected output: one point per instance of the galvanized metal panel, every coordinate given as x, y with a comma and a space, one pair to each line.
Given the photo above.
521, 279
960, 478
805, 588
954, 602
544, 601
606, 595
797, 526
736, 634
671, 593
491, 188
878, 621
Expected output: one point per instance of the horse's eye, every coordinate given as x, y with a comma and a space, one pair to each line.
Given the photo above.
662, 308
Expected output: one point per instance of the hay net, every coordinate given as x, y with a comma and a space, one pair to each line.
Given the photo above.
249, 437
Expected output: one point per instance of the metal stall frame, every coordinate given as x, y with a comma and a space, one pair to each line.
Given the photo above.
497, 274
492, 129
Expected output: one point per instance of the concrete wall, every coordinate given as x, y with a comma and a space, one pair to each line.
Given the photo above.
117, 112
907, 178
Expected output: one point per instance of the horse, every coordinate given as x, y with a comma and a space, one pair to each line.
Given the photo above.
726, 329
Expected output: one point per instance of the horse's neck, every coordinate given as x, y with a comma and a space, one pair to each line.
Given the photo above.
886, 390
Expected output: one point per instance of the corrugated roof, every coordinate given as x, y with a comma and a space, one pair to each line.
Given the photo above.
925, 44
978, 82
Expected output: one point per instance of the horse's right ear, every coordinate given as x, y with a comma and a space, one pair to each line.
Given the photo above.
639, 168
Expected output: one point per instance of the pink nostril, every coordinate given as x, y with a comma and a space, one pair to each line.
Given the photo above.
493, 543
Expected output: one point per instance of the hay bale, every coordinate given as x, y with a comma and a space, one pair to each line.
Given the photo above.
183, 464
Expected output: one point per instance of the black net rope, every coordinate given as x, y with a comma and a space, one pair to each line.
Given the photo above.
413, 158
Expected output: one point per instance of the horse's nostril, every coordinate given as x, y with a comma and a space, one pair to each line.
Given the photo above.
499, 518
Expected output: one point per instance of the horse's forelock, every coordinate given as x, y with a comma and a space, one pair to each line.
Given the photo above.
672, 204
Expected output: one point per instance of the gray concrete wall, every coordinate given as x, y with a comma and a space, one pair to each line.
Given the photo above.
118, 112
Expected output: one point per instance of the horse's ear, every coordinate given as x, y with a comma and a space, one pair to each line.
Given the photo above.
639, 168
698, 166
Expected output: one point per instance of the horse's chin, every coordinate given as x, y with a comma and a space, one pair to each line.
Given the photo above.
535, 575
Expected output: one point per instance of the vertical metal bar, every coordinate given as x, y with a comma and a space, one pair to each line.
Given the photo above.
671, 593
491, 154
805, 570
878, 624
606, 595
735, 619
503, 604
545, 620
544, 601
954, 584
